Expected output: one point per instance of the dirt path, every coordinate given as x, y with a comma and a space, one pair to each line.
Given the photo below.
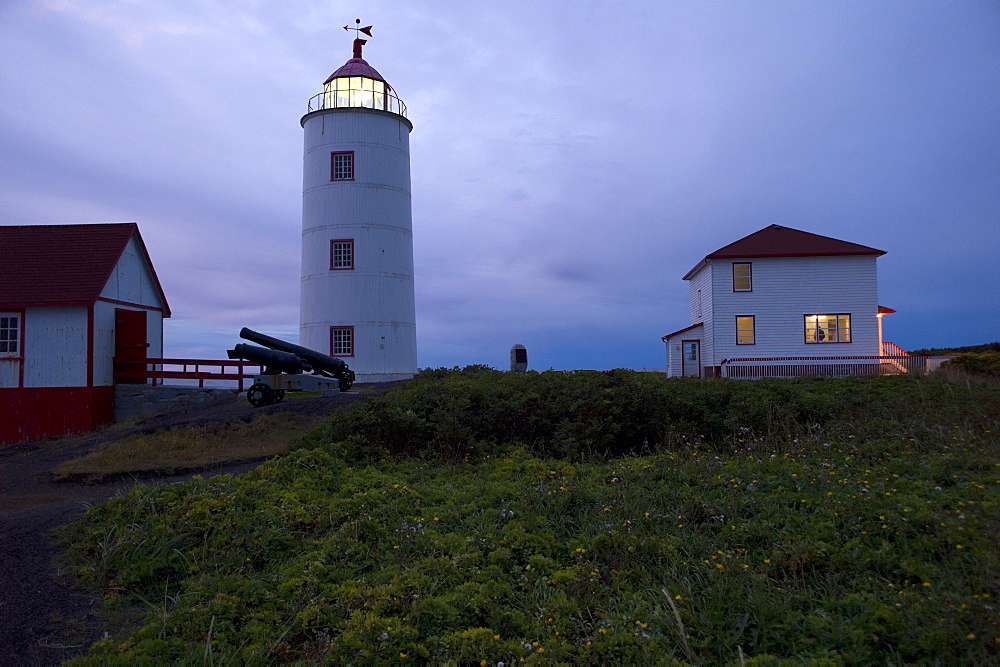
43, 618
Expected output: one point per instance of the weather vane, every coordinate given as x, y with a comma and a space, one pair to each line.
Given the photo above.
367, 30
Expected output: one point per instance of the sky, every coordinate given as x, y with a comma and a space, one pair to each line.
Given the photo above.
570, 161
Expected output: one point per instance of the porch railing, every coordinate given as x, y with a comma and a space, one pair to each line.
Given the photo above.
793, 367
139, 371
896, 354
893, 350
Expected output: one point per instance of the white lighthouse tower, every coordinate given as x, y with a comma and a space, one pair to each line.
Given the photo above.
357, 236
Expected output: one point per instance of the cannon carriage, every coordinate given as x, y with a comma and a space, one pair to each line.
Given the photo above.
289, 367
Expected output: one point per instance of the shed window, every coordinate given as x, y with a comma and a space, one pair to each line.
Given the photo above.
742, 279
828, 328
342, 166
10, 331
745, 330
342, 341
341, 254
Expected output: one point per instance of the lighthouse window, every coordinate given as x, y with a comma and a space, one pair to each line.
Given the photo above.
342, 166
9, 331
355, 91
341, 254
342, 341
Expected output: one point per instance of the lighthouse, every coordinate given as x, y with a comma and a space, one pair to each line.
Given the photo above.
357, 299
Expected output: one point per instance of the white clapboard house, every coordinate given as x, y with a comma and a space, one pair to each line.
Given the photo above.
784, 303
72, 297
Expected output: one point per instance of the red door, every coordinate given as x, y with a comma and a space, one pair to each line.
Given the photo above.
131, 343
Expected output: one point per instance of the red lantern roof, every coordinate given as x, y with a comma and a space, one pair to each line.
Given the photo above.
356, 66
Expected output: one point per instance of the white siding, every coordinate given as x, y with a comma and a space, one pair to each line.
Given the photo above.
675, 353
130, 287
703, 301
376, 297
132, 279
104, 343
10, 373
700, 305
55, 347
784, 290
674, 357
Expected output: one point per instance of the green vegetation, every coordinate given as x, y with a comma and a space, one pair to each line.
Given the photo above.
178, 449
464, 415
975, 363
930, 352
473, 515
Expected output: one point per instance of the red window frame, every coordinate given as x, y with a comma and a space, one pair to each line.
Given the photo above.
753, 329
333, 166
333, 352
749, 276
333, 255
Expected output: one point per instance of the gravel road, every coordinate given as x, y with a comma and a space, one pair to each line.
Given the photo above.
44, 619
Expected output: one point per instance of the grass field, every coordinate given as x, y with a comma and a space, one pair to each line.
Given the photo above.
178, 449
475, 516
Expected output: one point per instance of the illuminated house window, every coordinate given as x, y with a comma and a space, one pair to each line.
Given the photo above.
342, 166
744, 330
741, 277
341, 254
342, 341
9, 332
828, 328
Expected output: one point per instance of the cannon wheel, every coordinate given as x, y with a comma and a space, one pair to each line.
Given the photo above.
260, 394
345, 384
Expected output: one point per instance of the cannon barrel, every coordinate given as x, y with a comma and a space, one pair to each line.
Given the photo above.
319, 362
285, 362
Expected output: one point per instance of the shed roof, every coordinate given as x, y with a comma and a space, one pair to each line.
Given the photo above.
67, 265
780, 241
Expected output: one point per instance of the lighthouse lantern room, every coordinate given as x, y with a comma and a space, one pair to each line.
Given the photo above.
357, 297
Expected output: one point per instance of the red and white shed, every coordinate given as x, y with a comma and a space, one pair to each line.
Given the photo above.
72, 298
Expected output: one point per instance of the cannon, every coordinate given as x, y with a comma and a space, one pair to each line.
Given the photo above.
289, 367
275, 361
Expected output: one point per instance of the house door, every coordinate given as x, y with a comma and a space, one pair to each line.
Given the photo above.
131, 343
690, 358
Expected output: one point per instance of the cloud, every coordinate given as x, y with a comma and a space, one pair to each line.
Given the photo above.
570, 162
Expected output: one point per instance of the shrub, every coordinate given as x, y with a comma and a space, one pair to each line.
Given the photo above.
981, 363
928, 352
463, 415
851, 522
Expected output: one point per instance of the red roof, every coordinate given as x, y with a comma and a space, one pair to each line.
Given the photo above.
355, 67
779, 241
63, 264
680, 331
